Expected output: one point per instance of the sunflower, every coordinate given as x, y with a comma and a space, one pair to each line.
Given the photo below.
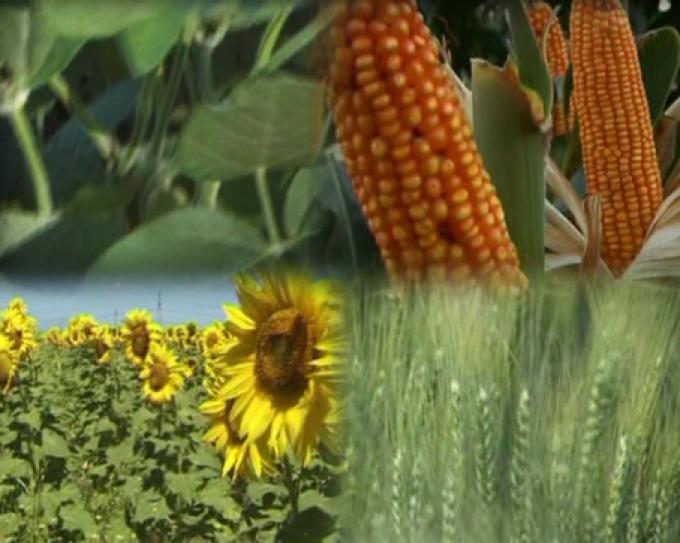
53, 336
139, 333
213, 340
9, 362
192, 334
81, 330
102, 344
283, 370
21, 329
19, 305
241, 456
163, 376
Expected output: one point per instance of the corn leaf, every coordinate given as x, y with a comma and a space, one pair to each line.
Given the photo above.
513, 148
533, 70
659, 54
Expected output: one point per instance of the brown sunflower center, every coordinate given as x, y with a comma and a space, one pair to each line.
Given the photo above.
159, 376
282, 350
140, 343
101, 348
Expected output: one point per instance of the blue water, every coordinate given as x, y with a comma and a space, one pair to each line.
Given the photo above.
54, 302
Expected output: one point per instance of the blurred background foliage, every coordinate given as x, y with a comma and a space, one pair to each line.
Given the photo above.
193, 135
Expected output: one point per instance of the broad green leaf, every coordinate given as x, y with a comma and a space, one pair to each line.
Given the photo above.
32, 418
216, 494
76, 518
513, 148
145, 43
16, 226
184, 241
30, 49
182, 484
533, 70
151, 506
9, 524
660, 60
13, 467
54, 445
207, 458
301, 196
96, 18
265, 122
71, 158
52, 499
118, 531
311, 524
67, 246
56, 59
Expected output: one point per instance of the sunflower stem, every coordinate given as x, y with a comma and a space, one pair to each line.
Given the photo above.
292, 485
265, 197
34, 159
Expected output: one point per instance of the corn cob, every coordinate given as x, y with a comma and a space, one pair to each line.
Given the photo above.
410, 152
616, 131
557, 52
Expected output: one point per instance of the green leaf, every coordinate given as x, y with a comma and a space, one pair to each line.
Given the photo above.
121, 453
301, 197
9, 524
184, 241
52, 499
71, 158
513, 148
533, 70
310, 525
76, 518
182, 484
118, 530
216, 494
30, 48
301, 40
243, 14
17, 226
144, 44
68, 246
32, 418
14, 467
268, 122
97, 18
54, 445
207, 458
151, 506
659, 54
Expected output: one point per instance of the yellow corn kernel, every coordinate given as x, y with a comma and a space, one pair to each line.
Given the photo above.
541, 15
433, 220
617, 139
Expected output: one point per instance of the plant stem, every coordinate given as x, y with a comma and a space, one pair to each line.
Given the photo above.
99, 135
292, 485
265, 198
208, 192
205, 76
36, 165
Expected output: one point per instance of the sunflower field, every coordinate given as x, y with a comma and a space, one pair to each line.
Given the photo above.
144, 433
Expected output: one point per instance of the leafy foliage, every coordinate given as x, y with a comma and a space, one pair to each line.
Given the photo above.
85, 457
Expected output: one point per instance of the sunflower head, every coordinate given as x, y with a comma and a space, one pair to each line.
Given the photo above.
9, 362
242, 458
163, 376
18, 305
102, 344
283, 369
21, 330
139, 333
